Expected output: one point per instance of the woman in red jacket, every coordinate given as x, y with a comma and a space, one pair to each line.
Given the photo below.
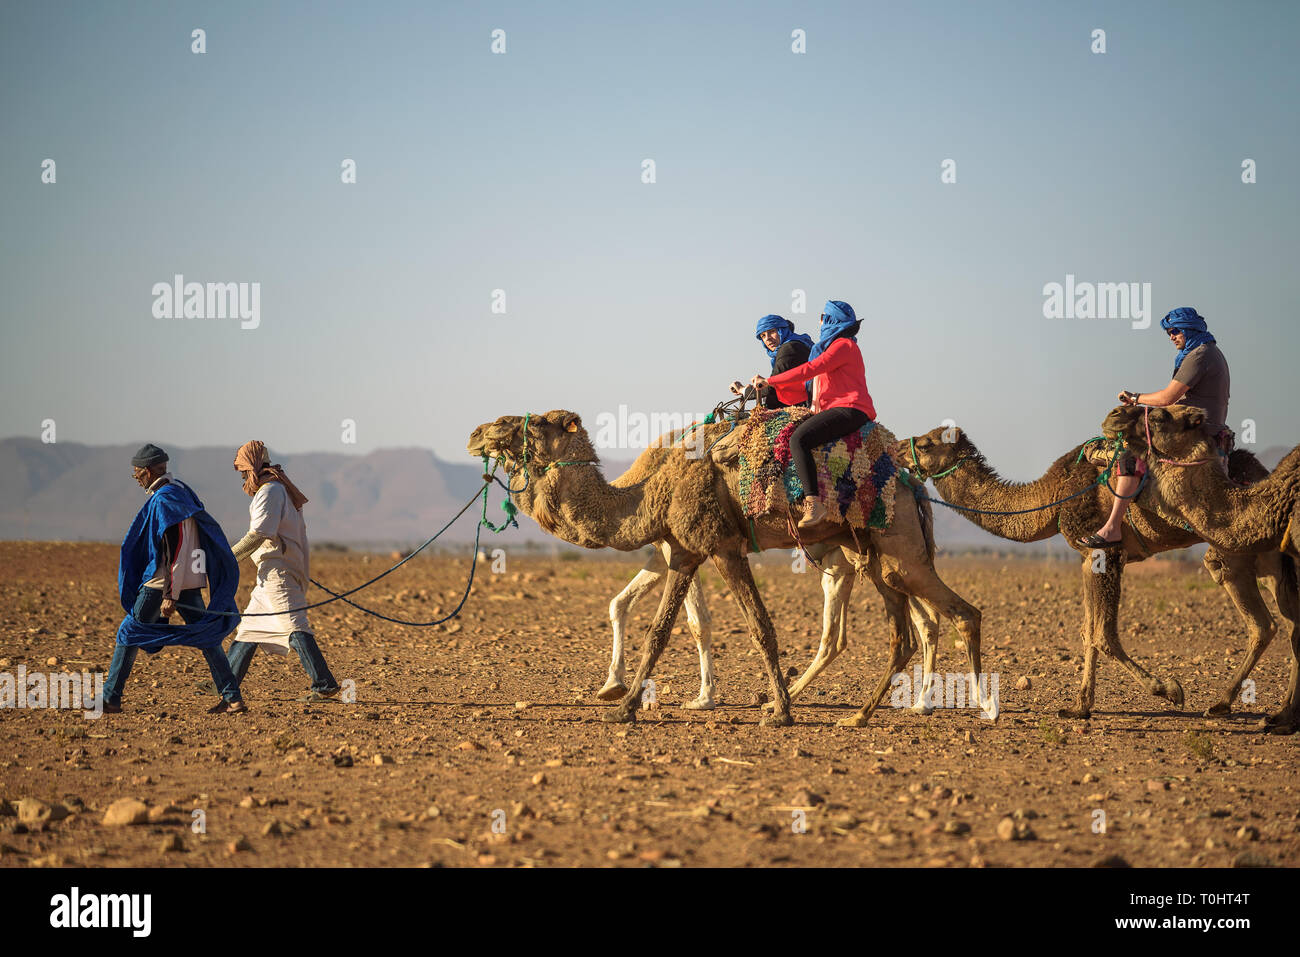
841, 403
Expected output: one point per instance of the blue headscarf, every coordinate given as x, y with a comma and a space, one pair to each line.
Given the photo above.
840, 322
1190, 323
786, 328
141, 556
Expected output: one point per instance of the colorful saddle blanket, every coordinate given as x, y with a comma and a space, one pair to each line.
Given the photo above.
856, 477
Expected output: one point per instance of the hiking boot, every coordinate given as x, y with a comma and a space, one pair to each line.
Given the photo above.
228, 707
112, 708
814, 512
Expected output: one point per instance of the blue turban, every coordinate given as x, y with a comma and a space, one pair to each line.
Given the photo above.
786, 328
1188, 321
839, 321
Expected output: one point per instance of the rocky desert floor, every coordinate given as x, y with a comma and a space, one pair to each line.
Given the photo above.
480, 742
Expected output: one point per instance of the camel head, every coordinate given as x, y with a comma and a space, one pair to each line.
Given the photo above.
556, 436
1177, 432
936, 451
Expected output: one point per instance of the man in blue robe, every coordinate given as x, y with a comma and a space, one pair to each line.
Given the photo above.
171, 551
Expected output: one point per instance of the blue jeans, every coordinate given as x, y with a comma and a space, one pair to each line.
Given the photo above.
148, 604
304, 642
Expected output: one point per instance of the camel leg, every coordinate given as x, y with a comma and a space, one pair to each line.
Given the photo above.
1237, 575
901, 648
1088, 683
701, 624
678, 583
734, 568
837, 586
644, 581
1287, 593
1101, 583
925, 623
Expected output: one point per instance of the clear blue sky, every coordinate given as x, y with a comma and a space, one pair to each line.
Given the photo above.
521, 171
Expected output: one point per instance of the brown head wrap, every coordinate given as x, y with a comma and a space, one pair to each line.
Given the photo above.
251, 459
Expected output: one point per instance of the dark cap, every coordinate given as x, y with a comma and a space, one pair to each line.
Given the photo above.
148, 456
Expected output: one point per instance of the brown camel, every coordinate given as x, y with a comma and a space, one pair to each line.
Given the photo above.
692, 504
1260, 521
964, 478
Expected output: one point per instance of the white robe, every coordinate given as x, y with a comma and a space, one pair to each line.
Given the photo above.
282, 570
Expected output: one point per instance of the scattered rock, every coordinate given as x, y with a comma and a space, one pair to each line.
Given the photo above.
36, 813
381, 759
469, 746
160, 811
1247, 833
273, 828
1252, 859
806, 798
539, 778
1010, 829
1023, 683
172, 842
238, 846
126, 811
956, 828
523, 705
1156, 785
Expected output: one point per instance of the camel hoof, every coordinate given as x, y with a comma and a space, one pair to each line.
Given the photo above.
776, 720
924, 709
856, 721
700, 704
612, 692
1081, 714
619, 716
1220, 710
1174, 692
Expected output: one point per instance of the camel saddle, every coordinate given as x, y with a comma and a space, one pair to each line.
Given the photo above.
857, 479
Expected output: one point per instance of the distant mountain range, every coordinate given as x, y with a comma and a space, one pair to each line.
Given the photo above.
72, 492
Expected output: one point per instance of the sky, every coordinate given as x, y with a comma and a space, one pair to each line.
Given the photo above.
522, 171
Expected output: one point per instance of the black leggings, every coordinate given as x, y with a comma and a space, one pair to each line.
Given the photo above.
816, 431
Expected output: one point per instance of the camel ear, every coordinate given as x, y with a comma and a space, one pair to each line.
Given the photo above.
1195, 420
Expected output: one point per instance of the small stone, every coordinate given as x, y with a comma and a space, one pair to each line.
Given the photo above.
1155, 785
381, 759
523, 705
126, 811
800, 753
1247, 833
248, 802
273, 828
758, 699
1023, 683
52, 661
342, 760
160, 811
956, 828
238, 846
469, 746
172, 842
539, 778
806, 798
1251, 859
34, 813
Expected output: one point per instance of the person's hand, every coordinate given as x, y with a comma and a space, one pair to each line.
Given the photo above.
737, 387
168, 606
758, 382
1128, 398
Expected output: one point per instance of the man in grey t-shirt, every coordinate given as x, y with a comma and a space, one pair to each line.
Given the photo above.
1200, 379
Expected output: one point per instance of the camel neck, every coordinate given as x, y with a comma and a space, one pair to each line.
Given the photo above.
1232, 518
976, 485
576, 504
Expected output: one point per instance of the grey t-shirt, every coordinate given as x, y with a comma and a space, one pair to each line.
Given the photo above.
1205, 373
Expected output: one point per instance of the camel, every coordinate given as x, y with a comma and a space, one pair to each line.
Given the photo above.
837, 585
965, 479
1258, 521
692, 504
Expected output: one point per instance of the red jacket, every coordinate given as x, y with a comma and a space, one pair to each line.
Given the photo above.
840, 378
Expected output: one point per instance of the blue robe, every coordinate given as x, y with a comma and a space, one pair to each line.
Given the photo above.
141, 554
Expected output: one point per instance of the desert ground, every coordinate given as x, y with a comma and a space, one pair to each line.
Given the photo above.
479, 742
